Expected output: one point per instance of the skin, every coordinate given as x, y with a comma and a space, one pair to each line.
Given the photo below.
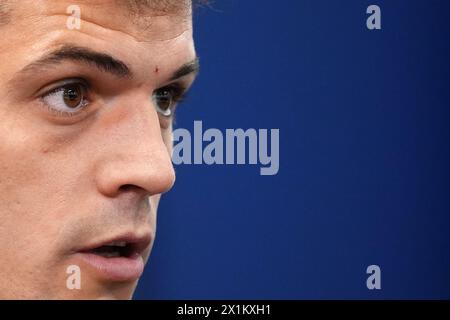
67, 182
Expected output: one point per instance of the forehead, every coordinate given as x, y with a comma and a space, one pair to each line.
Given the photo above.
142, 19
161, 6
133, 6
143, 40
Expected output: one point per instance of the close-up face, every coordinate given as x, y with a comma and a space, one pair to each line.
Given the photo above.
86, 111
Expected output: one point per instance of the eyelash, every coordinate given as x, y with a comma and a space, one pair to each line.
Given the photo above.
86, 88
179, 95
178, 91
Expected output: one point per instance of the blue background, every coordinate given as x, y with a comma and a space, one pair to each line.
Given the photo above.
364, 156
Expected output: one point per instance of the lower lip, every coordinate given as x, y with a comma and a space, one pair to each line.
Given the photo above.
117, 268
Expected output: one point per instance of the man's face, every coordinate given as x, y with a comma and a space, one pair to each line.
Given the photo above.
85, 143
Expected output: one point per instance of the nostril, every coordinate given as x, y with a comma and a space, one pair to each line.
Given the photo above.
127, 187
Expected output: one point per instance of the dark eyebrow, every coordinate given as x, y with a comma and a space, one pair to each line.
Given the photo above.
102, 61
186, 69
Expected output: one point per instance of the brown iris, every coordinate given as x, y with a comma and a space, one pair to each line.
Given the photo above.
73, 96
164, 100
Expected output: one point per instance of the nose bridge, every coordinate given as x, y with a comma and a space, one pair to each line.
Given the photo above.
135, 152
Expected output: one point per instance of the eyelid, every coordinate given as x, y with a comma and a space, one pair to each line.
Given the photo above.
179, 91
59, 86
45, 91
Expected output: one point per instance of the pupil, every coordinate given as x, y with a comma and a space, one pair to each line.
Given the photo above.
164, 100
72, 97
71, 94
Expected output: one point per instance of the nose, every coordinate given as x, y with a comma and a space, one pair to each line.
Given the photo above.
135, 151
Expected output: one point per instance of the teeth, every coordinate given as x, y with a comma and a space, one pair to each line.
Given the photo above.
117, 244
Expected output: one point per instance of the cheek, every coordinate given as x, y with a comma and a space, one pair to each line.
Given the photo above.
32, 184
25, 229
20, 167
28, 173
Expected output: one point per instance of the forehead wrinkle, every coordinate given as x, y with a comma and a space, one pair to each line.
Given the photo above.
162, 7
142, 25
5, 16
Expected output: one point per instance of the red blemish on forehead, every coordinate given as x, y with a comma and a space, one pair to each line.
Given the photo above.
156, 69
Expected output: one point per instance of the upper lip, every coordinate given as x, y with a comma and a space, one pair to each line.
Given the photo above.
138, 242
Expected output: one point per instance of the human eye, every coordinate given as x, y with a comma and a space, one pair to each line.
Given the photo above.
166, 99
67, 98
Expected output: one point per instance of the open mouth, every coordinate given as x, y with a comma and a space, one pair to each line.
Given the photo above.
115, 249
120, 259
